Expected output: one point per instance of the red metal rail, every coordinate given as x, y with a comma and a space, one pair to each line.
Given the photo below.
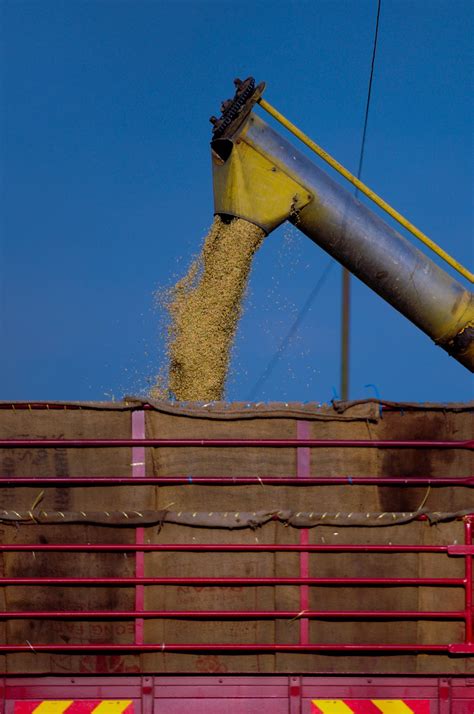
139, 471
235, 481
231, 582
234, 614
234, 548
235, 647
469, 584
237, 443
303, 445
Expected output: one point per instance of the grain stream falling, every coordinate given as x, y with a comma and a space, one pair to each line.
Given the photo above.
204, 309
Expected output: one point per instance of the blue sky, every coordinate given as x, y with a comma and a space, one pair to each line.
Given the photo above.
107, 183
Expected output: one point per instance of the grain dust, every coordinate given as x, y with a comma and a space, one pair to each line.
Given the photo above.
204, 309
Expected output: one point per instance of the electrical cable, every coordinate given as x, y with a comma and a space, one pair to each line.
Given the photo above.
291, 332
440, 252
369, 95
346, 276
315, 291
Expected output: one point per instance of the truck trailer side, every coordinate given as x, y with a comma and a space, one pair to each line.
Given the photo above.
285, 557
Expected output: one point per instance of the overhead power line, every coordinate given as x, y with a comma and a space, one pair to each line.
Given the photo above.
346, 276
290, 334
369, 94
265, 374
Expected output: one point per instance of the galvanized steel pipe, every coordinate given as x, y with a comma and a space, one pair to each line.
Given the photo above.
246, 164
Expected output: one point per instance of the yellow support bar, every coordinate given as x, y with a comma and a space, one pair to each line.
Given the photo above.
365, 190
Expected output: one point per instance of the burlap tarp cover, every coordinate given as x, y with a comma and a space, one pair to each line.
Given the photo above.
353, 420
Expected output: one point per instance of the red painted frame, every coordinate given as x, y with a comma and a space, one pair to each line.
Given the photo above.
250, 694
235, 481
239, 443
139, 471
303, 444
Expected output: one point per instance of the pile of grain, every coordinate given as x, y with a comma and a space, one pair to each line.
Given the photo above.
204, 309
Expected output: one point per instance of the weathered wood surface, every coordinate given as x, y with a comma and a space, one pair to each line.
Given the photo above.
360, 421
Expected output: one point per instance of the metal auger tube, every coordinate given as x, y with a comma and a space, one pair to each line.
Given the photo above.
261, 177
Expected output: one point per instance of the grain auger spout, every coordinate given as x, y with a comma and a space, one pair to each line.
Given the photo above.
259, 176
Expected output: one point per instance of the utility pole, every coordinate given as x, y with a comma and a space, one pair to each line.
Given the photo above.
345, 333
